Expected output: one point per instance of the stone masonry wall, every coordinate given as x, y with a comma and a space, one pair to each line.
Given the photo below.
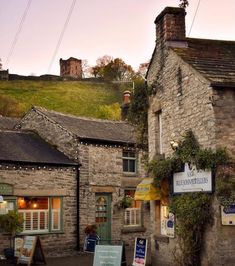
186, 101
100, 172
54, 179
182, 96
224, 106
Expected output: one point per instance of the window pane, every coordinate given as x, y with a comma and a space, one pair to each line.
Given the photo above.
125, 165
131, 166
56, 213
6, 206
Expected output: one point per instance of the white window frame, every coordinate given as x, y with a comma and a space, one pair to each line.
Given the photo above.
48, 214
132, 217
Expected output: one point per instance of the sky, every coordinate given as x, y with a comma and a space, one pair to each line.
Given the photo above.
119, 28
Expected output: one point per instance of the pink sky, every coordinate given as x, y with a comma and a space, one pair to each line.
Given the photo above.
120, 28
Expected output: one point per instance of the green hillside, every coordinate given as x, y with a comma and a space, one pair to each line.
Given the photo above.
100, 100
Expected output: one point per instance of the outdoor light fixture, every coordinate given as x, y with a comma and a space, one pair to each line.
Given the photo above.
174, 144
1, 199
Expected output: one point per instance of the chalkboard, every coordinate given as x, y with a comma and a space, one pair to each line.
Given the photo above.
31, 251
107, 255
140, 252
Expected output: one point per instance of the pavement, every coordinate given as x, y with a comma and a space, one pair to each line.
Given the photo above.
77, 259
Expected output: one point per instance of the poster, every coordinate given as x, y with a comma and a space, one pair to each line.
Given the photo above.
228, 215
18, 245
27, 250
107, 255
140, 252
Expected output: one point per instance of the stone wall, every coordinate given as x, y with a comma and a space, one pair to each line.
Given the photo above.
47, 182
183, 98
186, 101
223, 101
100, 172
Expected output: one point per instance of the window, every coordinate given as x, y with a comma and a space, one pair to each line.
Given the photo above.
129, 161
7, 205
132, 215
41, 214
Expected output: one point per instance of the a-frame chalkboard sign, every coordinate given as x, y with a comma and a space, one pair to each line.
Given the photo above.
31, 251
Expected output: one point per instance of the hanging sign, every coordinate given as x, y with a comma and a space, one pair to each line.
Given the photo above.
6, 189
192, 180
140, 252
228, 215
107, 255
31, 251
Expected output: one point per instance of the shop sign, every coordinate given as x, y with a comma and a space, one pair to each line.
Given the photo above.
228, 215
6, 189
192, 180
107, 255
140, 252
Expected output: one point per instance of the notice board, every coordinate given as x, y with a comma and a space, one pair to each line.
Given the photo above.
140, 252
31, 251
107, 255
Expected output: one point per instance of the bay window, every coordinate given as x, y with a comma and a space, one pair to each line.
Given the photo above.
41, 214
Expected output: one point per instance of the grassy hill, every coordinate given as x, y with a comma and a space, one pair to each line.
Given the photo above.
100, 100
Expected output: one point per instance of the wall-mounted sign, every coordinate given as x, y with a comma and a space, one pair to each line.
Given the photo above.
228, 215
140, 252
107, 255
192, 180
6, 189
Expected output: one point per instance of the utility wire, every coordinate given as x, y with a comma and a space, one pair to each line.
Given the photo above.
18, 33
194, 17
62, 35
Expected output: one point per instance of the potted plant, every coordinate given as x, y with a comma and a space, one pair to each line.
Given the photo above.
11, 223
126, 202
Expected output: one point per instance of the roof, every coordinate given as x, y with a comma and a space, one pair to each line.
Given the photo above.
27, 147
214, 59
94, 129
8, 122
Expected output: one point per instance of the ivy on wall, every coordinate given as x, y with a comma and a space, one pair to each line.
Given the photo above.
193, 210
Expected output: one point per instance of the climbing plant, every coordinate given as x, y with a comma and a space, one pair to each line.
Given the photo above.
193, 210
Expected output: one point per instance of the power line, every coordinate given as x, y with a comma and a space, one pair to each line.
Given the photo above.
62, 35
194, 17
18, 32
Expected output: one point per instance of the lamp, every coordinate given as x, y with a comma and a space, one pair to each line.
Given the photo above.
1, 199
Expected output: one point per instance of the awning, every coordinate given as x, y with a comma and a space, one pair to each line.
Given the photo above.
147, 191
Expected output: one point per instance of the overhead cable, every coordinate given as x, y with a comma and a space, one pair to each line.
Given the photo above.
62, 34
13, 45
194, 17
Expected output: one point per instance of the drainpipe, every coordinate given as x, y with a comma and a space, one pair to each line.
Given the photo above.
78, 207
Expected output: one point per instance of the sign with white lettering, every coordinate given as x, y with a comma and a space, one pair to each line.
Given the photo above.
140, 252
228, 215
192, 180
107, 255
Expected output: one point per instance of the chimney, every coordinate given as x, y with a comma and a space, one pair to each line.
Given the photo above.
126, 104
170, 26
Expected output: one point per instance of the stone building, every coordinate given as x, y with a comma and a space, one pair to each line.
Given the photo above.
71, 68
4, 74
111, 167
41, 183
193, 87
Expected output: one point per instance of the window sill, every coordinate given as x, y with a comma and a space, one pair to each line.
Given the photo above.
133, 229
161, 238
40, 233
130, 174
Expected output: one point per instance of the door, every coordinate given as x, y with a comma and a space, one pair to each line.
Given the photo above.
103, 216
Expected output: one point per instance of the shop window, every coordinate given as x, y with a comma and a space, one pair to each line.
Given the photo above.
132, 215
41, 214
7, 205
129, 161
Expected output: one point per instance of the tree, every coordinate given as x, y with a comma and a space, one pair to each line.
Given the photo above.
183, 3
0, 64
85, 68
143, 67
112, 69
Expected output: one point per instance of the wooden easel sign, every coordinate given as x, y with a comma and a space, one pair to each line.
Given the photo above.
31, 251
